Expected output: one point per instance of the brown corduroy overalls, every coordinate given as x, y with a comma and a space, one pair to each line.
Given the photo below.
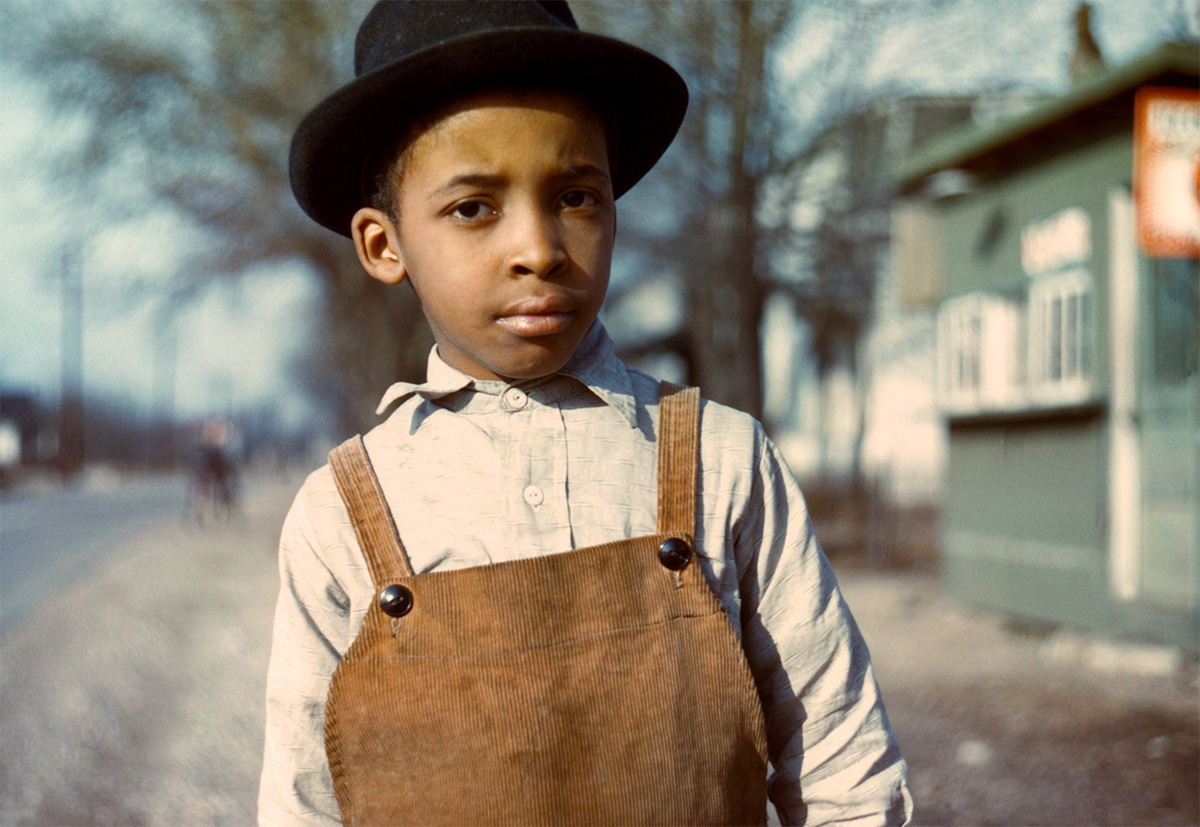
598, 686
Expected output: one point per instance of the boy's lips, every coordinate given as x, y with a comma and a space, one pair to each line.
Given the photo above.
540, 316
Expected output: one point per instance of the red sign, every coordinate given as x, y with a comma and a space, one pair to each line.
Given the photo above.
1166, 171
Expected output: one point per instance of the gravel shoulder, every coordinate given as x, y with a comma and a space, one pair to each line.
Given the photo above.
1007, 726
135, 696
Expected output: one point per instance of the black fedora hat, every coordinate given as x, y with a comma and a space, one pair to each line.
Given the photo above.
412, 54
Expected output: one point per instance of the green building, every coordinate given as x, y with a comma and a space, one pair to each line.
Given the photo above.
1069, 351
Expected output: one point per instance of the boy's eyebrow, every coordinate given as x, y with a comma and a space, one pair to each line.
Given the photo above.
483, 179
470, 179
583, 171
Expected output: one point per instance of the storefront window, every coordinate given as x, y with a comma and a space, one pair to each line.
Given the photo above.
1061, 333
979, 346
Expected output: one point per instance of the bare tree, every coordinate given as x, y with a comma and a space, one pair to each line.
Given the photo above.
707, 186
189, 108
737, 174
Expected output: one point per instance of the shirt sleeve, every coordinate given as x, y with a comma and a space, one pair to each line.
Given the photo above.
311, 619
836, 759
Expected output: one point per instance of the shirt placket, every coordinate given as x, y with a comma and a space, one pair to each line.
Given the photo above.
534, 457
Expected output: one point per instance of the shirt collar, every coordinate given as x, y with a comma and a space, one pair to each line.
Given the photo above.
594, 363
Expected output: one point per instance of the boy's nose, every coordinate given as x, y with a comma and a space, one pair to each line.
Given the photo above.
537, 247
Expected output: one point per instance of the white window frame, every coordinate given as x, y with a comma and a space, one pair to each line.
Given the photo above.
1061, 343
959, 330
980, 343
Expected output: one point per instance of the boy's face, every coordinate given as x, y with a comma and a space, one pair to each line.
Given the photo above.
505, 229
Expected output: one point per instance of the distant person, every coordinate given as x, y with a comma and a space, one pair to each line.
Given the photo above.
548, 588
212, 489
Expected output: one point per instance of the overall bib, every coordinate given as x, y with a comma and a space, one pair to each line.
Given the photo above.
603, 685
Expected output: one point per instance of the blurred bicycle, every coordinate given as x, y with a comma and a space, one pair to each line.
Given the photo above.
212, 489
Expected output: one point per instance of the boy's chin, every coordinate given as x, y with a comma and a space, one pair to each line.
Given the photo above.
531, 359
522, 370
529, 373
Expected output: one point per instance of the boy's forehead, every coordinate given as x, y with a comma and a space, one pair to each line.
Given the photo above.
467, 127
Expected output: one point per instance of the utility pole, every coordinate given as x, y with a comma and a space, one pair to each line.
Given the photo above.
70, 424
163, 390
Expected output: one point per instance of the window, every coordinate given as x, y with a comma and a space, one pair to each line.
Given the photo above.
1061, 338
1001, 352
959, 334
979, 347
1030, 345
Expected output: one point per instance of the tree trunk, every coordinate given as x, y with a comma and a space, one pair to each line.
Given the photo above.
728, 306
374, 334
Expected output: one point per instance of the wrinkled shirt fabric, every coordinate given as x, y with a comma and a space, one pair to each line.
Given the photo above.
479, 472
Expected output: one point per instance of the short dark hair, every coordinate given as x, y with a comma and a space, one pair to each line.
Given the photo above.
384, 168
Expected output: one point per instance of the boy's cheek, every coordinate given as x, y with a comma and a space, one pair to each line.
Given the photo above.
599, 240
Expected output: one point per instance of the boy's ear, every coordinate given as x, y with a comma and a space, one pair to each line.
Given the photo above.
378, 245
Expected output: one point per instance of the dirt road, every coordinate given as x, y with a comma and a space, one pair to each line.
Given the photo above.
1003, 726
134, 697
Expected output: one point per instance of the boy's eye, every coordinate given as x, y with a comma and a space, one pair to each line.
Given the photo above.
578, 198
471, 210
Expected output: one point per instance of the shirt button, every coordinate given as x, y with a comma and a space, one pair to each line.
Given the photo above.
516, 398
534, 495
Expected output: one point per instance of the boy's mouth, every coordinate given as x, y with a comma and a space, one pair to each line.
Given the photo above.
542, 316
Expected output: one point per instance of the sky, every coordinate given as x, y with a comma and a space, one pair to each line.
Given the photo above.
235, 344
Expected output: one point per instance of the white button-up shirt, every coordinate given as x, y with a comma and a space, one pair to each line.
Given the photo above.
478, 472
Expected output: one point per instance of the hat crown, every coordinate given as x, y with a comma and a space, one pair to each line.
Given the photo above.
395, 29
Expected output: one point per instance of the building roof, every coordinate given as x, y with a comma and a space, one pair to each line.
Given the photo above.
1096, 107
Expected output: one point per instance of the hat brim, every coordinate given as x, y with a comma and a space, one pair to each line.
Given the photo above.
645, 95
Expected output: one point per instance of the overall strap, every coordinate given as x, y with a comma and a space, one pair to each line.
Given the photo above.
678, 457
369, 514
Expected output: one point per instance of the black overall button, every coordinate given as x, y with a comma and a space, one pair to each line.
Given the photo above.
674, 554
396, 600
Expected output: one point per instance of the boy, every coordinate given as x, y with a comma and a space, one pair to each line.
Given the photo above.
546, 589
